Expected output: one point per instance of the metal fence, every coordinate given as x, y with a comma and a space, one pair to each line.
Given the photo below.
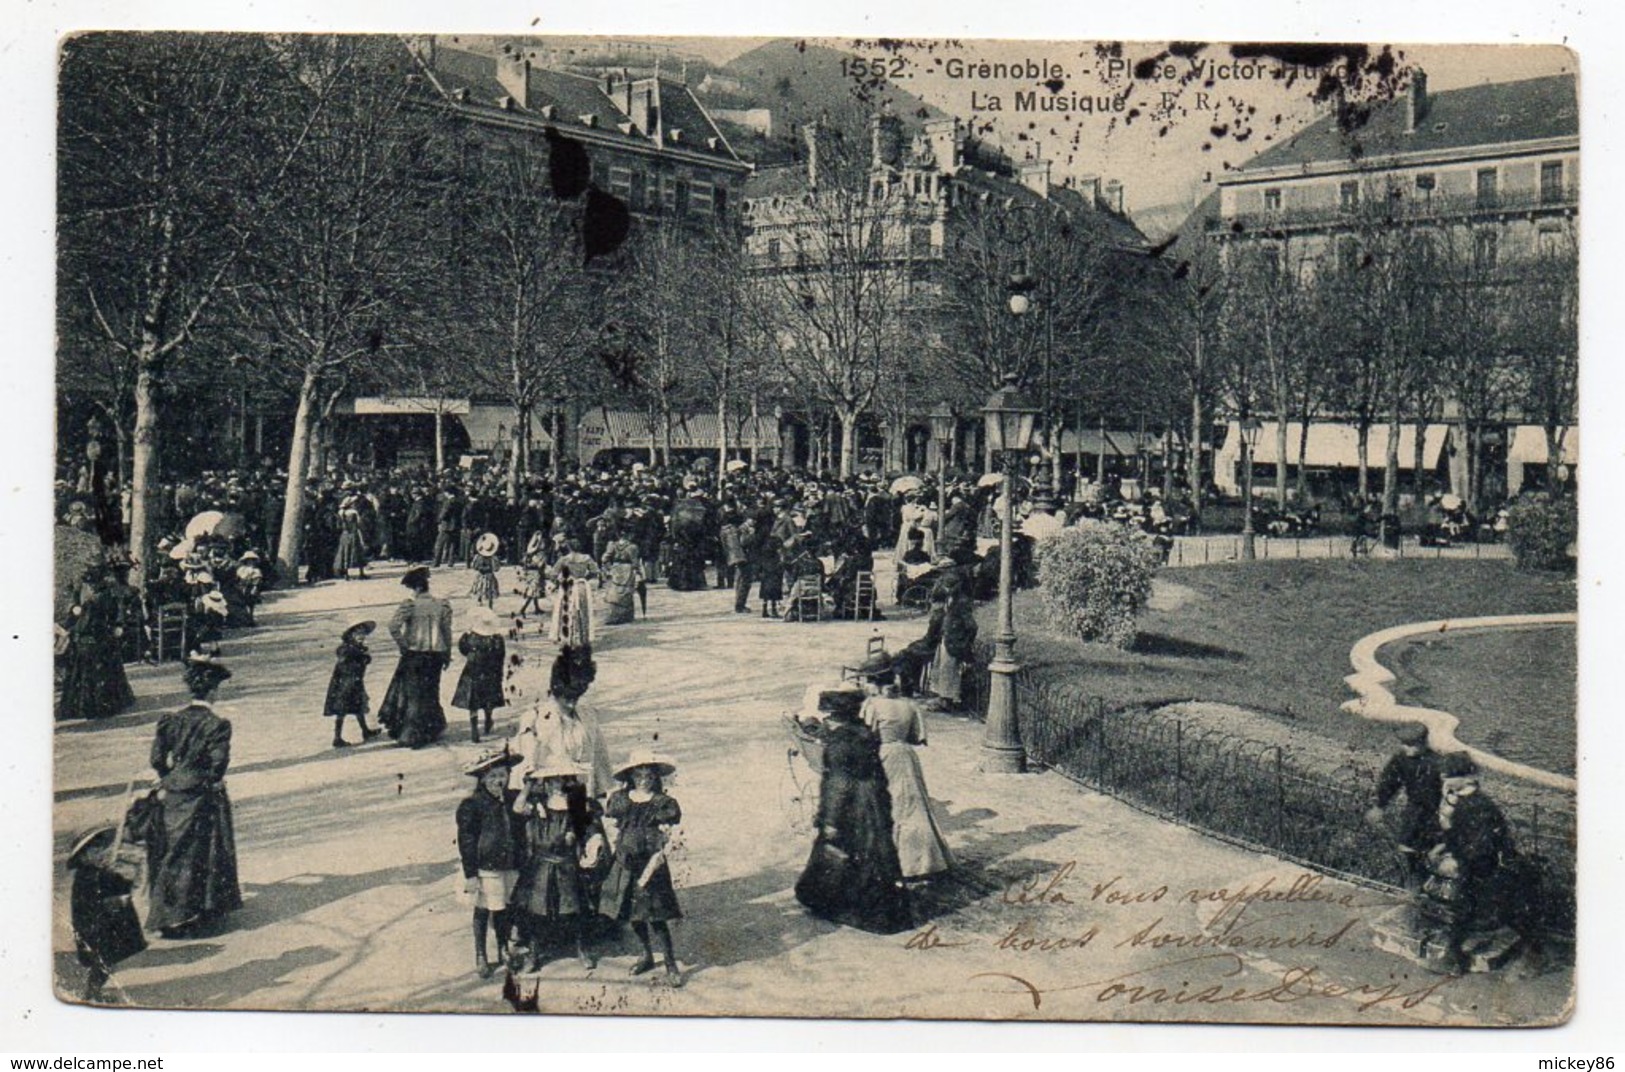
1206, 550
1260, 795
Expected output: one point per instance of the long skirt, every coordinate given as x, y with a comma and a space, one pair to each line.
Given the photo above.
921, 850
411, 710
95, 685
193, 872
947, 674
351, 554
618, 603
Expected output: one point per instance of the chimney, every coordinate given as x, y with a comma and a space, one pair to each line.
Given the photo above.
513, 71
1416, 101
814, 134
1114, 196
886, 140
1034, 175
1089, 187
947, 143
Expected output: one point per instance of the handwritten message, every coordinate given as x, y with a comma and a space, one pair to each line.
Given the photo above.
1272, 940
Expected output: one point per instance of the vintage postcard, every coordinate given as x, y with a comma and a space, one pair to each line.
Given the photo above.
930, 529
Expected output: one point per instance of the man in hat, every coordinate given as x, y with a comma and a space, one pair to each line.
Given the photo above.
1413, 771
489, 838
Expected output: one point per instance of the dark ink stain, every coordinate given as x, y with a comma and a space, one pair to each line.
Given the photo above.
1219, 131
608, 222
1055, 85
568, 168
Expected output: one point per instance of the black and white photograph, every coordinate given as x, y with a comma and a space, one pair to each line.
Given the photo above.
816, 527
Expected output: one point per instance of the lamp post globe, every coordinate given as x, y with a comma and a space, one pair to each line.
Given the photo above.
1009, 418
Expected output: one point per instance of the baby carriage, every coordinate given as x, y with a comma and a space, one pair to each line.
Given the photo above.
915, 582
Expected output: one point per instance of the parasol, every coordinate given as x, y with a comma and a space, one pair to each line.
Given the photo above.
203, 524
1450, 501
738, 464
987, 480
904, 484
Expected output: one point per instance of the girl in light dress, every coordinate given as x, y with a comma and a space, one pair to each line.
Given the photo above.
897, 720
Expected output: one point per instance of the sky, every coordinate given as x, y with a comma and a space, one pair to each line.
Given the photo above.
1168, 154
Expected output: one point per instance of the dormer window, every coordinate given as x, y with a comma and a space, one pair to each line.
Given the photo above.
589, 120
1272, 199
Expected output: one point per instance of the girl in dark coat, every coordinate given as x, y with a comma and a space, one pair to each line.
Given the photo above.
853, 875
639, 888
192, 860
564, 841
769, 569
347, 688
480, 686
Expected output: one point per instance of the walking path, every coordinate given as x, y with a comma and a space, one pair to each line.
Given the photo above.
1370, 679
1067, 904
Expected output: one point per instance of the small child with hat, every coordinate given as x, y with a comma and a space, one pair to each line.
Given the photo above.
484, 589
564, 846
639, 888
105, 927
489, 843
347, 688
480, 686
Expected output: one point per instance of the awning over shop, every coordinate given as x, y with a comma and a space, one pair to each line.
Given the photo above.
407, 405
1116, 443
1528, 445
1333, 446
491, 428
608, 429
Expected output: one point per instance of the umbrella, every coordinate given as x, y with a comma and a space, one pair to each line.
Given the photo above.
1450, 502
182, 549
987, 480
204, 523
905, 484
737, 464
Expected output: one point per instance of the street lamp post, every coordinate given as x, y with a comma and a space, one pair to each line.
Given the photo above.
1250, 429
1009, 419
942, 430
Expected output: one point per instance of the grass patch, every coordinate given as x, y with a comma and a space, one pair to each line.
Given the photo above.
1275, 636
1513, 689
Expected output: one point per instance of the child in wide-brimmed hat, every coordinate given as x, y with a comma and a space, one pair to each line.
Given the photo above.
639, 888
347, 689
489, 844
564, 846
479, 689
484, 561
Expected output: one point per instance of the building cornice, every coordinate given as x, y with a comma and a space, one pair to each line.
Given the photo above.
1396, 161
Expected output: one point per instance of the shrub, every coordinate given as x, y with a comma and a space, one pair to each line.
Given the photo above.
1093, 580
1541, 530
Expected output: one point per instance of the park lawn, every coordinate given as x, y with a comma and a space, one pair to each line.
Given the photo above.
1275, 636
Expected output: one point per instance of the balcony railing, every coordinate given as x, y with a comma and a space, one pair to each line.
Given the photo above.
1561, 198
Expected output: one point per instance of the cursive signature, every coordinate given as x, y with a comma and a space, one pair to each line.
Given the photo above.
1302, 982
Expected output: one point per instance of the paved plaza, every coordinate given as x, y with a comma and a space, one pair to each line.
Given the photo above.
1065, 903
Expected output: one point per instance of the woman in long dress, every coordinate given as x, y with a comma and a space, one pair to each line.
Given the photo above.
622, 572
853, 875
560, 730
421, 629
352, 548
192, 853
958, 642
898, 722
95, 685
916, 517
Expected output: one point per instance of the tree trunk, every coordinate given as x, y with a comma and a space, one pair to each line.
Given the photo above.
849, 442
1421, 479
439, 439
144, 484
1303, 459
299, 451
521, 417
1390, 470
722, 434
1100, 458
1362, 440
555, 454
1280, 457
1194, 462
665, 433
1555, 434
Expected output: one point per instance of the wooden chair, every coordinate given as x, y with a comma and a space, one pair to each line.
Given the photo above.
170, 631
865, 598
807, 594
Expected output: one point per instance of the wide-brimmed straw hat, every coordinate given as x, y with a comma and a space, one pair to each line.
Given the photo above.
488, 544
97, 839
556, 768
646, 757
497, 757
359, 629
484, 622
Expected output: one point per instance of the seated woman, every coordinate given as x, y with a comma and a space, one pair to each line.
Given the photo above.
806, 570
853, 876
